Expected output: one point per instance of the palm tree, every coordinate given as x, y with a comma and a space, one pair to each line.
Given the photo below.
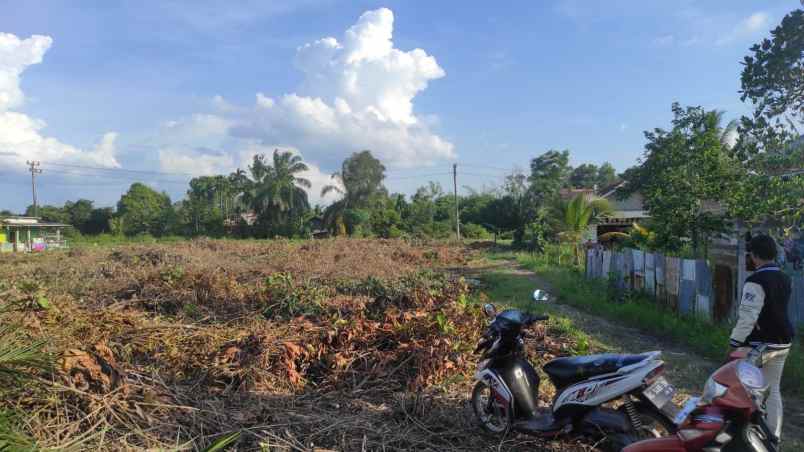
288, 191
728, 134
275, 192
359, 183
577, 215
334, 214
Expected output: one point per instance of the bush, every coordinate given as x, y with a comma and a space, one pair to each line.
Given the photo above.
474, 231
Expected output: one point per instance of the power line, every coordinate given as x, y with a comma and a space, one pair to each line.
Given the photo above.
417, 176
98, 168
508, 170
122, 178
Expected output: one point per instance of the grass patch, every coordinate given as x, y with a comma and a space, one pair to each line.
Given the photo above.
512, 291
708, 339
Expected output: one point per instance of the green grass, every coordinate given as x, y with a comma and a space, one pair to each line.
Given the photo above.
114, 240
708, 339
512, 291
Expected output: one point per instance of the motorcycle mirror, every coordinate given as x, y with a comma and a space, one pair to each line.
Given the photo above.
540, 295
489, 310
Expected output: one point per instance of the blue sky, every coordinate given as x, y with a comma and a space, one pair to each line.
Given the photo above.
172, 86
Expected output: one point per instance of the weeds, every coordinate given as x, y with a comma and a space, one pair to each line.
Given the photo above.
335, 344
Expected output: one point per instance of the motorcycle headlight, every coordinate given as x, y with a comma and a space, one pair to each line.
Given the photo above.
712, 390
753, 381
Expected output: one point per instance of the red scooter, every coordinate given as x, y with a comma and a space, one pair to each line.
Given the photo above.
729, 415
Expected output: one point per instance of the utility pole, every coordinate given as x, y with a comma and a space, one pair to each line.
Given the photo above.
34, 169
457, 208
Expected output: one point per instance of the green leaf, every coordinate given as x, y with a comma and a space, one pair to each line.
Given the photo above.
223, 442
43, 302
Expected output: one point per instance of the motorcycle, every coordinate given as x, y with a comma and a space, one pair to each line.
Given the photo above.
506, 394
729, 415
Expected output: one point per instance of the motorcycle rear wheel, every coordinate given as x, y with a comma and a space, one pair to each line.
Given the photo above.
491, 417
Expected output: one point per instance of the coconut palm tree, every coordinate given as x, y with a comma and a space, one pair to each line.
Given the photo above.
275, 191
334, 214
289, 191
358, 183
577, 214
728, 133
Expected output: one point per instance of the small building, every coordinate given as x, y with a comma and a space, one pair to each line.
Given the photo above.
30, 234
625, 213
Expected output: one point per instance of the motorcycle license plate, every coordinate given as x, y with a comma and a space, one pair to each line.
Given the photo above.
685, 411
660, 392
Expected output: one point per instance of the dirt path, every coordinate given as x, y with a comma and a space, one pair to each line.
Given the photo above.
687, 370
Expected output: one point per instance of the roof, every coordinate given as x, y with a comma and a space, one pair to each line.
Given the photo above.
569, 193
611, 189
30, 222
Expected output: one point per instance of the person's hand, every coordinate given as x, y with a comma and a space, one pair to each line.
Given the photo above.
729, 351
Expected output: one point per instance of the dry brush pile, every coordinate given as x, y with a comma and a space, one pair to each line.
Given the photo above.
324, 345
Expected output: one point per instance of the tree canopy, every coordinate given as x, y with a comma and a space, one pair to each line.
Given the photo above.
143, 210
685, 177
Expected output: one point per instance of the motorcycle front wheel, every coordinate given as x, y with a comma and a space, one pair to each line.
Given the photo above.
492, 417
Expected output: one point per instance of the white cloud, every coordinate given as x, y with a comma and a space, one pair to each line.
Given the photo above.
20, 135
357, 93
747, 27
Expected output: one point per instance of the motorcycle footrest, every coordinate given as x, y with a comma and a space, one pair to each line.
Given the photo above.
542, 424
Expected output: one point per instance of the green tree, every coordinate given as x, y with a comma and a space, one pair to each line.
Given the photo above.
422, 218
360, 184
549, 172
685, 176
79, 213
277, 193
770, 148
98, 221
606, 175
143, 210
577, 215
518, 207
49, 213
773, 80
584, 176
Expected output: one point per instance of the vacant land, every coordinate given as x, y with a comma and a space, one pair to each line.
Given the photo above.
335, 344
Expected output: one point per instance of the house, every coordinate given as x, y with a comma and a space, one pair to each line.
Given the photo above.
30, 234
247, 218
626, 212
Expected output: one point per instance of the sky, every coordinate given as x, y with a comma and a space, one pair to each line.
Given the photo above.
107, 93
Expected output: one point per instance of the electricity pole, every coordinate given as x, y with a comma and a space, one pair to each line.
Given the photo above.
457, 208
34, 169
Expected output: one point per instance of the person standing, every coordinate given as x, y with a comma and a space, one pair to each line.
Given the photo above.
762, 318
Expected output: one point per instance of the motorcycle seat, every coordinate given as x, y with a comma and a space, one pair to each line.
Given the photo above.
572, 369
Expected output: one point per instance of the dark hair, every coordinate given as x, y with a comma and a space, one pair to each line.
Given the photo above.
763, 247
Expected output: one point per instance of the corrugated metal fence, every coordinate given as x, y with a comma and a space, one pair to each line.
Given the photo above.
684, 286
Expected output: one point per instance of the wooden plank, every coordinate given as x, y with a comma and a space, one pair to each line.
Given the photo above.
650, 273
672, 280
703, 280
